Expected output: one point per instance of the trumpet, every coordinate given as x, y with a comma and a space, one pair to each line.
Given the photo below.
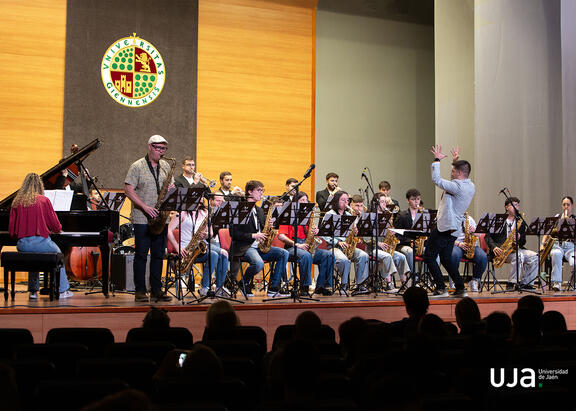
237, 191
205, 181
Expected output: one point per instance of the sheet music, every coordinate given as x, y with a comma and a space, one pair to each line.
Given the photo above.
61, 199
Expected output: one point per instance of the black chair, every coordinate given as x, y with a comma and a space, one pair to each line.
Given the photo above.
74, 394
62, 355
229, 392
179, 336
155, 350
136, 372
48, 263
96, 339
285, 333
10, 338
243, 332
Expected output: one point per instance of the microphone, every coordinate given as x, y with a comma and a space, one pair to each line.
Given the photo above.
309, 171
503, 191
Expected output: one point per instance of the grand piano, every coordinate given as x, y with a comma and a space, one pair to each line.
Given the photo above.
79, 227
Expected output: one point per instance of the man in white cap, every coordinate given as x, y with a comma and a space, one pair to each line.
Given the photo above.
142, 185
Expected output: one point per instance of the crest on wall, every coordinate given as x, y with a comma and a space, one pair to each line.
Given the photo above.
133, 71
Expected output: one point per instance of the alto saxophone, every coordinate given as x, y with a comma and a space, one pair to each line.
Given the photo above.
195, 247
508, 246
549, 243
156, 224
351, 240
419, 241
469, 239
265, 245
311, 240
390, 239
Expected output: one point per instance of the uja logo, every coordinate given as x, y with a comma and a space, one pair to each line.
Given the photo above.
133, 71
527, 380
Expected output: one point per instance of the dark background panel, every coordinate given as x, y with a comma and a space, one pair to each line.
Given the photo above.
89, 112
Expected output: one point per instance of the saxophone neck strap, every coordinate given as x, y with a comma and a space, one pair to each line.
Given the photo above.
156, 174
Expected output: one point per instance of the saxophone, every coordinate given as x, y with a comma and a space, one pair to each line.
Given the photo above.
549, 243
156, 224
351, 240
195, 247
390, 239
311, 241
469, 239
419, 241
508, 246
265, 245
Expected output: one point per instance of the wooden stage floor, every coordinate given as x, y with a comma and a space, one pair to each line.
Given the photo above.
120, 313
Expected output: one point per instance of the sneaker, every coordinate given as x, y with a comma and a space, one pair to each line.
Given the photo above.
390, 287
361, 289
344, 289
66, 294
222, 292
510, 286
304, 291
527, 286
327, 291
473, 285
33, 296
459, 293
276, 292
440, 292
203, 291
557, 286
160, 297
141, 297
319, 290
451, 284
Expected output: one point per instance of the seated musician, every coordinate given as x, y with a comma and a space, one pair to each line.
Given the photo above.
330, 190
480, 258
32, 219
338, 244
189, 176
528, 259
190, 223
406, 220
226, 187
561, 249
322, 258
400, 265
245, 241
384, 188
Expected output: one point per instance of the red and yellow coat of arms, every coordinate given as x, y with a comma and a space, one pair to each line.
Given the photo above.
133, 71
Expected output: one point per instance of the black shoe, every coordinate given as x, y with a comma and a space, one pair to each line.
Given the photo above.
440, 292
327, 291
526, 286
459, 293
304, 291
160, 297
319, 290
361, 289
510, 286
141, 297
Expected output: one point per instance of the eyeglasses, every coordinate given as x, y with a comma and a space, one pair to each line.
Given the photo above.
159, 147
261, 190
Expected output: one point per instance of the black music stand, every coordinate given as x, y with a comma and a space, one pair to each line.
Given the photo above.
229, 214
336, 225
369, 226
181, 199
294, 214
423, 225
542, 226
490, 223
567, 232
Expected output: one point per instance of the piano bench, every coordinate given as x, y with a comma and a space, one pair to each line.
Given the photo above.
48, 263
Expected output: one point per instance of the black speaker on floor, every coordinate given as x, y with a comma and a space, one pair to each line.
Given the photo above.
122, 272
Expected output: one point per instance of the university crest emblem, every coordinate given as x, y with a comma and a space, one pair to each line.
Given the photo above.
133, 72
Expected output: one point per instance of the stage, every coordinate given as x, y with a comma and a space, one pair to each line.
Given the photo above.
120, 313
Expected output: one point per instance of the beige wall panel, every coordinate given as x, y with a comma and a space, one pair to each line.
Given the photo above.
255, 81
32, 34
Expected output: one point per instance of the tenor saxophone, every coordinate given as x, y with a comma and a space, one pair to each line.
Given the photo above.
311, 240
549, 243
351, 240
390, 239
469, 239
265, 245
195, 247
508, 246
156, 224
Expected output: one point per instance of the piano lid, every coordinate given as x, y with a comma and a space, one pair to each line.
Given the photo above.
64, 163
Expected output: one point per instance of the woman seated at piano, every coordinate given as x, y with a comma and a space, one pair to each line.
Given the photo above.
32, 219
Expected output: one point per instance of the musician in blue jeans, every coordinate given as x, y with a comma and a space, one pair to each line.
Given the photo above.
480, 258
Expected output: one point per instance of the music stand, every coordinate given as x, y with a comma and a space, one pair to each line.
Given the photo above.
181, 199
541, 226
232, 213
490, 223
371, 226
567, 232
424, 223
294, 214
